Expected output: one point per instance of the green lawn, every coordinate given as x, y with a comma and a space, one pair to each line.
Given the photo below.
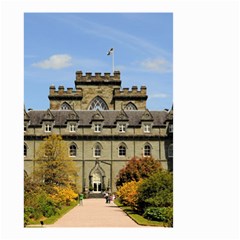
138, 218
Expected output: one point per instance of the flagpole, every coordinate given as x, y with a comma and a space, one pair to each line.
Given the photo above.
111, 52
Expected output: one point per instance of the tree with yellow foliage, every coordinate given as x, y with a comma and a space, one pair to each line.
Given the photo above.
54, 167
128, 193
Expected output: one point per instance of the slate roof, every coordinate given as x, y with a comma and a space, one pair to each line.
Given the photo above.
85, 117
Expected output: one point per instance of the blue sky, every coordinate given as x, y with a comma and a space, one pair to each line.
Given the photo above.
56, 45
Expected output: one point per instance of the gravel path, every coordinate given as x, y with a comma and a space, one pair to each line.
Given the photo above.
95, 213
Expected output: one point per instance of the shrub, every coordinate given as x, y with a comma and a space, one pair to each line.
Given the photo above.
47, 206
45, 199
164, 214
63, 195
128, 193
137, 169
156, 191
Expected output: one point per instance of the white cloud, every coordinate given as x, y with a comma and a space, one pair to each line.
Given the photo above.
158, 95
57, 61
157, 65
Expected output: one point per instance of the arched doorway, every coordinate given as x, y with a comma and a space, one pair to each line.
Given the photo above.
97, 182
97, 179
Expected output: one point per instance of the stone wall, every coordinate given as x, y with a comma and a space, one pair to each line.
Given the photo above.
85, 159
89, 86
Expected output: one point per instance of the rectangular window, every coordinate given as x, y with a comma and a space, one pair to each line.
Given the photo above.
97, 127
72, 128
122, 127
25, 150
147, 151
48, 128
122, 151
147, 128
171, 128
97, 152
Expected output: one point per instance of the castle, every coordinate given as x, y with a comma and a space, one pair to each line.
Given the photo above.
104, 127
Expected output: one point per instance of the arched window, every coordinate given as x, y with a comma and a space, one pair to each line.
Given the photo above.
65, 106
73, 150
130, 106
25, 150
147, 150
170, 150
98, 103
122, 151
97, 151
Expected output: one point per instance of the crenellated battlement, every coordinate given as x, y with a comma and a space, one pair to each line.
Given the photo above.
62, 92
134, 92
89, 87
97, 77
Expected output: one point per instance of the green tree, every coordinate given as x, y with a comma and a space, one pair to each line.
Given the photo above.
136, 169
54, 166
156, 191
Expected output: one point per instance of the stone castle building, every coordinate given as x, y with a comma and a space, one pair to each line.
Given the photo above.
104, 127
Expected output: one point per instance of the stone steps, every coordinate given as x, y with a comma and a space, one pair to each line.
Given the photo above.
95, 195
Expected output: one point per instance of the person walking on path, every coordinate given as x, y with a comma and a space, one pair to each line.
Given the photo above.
81, 196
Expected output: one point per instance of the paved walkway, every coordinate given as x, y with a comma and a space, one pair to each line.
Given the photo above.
95, 213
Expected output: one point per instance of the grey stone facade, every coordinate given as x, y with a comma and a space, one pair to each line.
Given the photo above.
103, 126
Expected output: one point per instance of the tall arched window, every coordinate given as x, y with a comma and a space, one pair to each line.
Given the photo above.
25, 150
122, 150
130, 106
65, 106
170, 150
97, 151
98, 103
147, 150
73, 150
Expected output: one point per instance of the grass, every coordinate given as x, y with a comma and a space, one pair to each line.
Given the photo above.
137, 217
54, 218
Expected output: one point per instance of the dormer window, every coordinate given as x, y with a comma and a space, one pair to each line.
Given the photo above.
147, 128
72, 128
97, 127
122, 127
48, 128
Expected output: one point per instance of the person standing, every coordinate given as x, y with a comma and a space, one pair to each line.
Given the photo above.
113, 197
81, 196
106, 197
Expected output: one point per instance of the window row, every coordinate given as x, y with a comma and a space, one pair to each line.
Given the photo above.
122, 127
97, 127
97, 150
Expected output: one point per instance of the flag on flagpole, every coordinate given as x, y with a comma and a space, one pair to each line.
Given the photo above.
110, 52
